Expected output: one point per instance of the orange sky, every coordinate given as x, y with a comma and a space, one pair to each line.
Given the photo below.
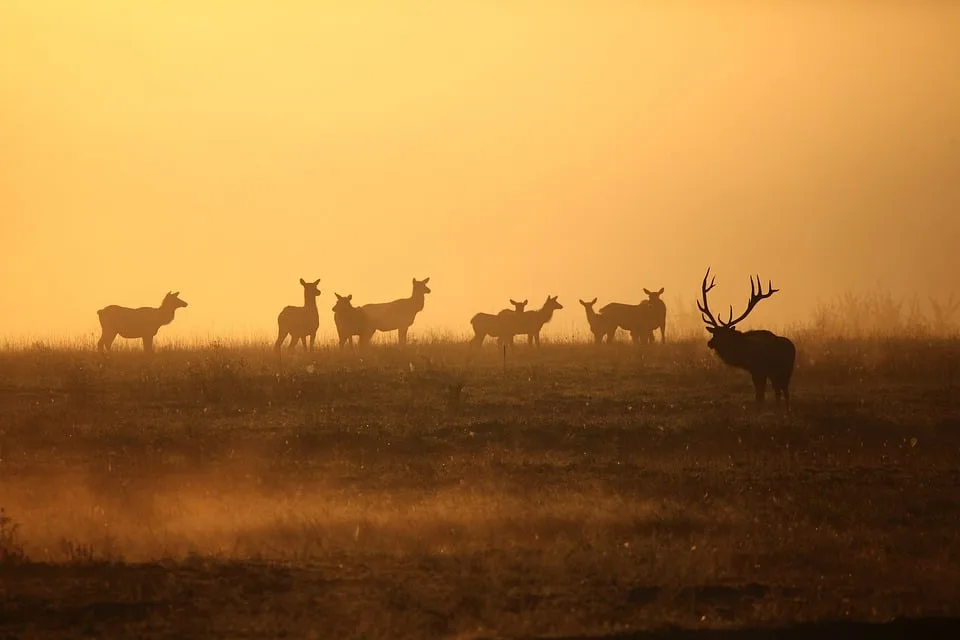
505, 149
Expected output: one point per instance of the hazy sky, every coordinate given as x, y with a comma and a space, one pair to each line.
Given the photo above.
505, 149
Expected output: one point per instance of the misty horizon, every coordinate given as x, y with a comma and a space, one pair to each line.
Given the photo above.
504, 152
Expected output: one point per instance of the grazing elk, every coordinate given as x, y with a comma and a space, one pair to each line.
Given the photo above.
397, 315
531, 322
762, 353
502, 326
300, 322
142, 322
600, 325
348, 318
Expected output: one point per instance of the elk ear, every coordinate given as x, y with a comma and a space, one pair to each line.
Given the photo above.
350, 297
594, 301
316, 282
582, 302
339, 297
426, 280
524, 303
711, 329
303, 282
661, 291
647, 291
176, 293
513, 302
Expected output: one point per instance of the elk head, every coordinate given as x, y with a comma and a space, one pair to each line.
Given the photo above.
589, 305
172, 300
552, 304
343, 302
420, 286
310, 287
518, 306
725, 332
653, 296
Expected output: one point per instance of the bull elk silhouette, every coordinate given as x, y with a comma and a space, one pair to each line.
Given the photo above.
142, 322
300, 322
760, 352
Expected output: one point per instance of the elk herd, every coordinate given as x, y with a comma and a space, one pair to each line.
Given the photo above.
763, 354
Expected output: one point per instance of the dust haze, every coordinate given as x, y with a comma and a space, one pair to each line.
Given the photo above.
502, 149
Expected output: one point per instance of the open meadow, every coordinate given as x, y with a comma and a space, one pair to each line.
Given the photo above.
431, 491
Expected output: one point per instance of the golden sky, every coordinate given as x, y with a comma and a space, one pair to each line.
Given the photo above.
226, 149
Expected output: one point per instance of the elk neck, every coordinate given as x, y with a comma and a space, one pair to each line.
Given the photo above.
544, 313
417, 300
165, 313
309, 301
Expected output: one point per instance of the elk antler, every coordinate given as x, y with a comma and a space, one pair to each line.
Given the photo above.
705, 308
756, 295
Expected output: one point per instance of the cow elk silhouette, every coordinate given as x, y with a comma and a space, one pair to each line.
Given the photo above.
531, 322
639, 319
502, 325
600, 325
142, 322
397, 315
761, 353
300, 322
656, 312
348, 318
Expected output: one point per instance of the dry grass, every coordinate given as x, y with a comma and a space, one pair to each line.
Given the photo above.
429, 492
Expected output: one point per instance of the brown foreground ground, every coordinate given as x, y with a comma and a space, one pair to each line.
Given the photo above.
579, 492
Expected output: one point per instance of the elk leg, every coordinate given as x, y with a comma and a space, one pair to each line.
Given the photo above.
281, 336
663, 333
106, 340
148, 344
402, 335
313, 337
760, 384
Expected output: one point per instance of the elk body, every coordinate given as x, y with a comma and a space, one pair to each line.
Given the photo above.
656, 312
763, 354
397, 315
601, 325
502, 326
531, 322
300, 322
348, 318
639, 319
142, 322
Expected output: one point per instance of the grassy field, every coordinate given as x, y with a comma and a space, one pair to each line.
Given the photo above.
431, 492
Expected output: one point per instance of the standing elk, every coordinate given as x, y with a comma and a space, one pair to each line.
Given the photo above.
397, 315
531, 322
639, 319
761, 353
600, 325
657, 312
142, 322
502, 325
300, 322
348, 318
